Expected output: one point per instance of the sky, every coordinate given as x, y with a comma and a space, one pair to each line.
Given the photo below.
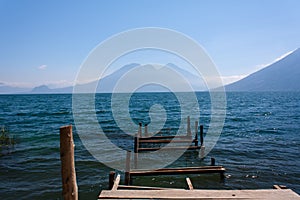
45, 42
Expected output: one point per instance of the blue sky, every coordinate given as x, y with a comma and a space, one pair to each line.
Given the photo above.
45, 42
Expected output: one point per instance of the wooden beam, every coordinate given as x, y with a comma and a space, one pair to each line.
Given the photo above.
189, 183
116, 183
167, 148
167, 141
132, 187
177, 171
165, 137
70, 190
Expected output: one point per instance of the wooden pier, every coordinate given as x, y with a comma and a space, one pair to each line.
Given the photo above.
118, 191
144, 142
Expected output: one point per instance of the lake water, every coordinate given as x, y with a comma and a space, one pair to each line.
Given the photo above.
259, 145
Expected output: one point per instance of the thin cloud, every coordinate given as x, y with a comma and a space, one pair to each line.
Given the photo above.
261, 66
230, 79
42, 67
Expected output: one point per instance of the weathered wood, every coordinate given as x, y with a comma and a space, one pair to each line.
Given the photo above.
111, 179
201, 194
202, 151
189, 133
140, 130
189, 183
182, 168
130, 187
212, 161
116, 183
136, 145
279, 187
166, 141
165, 137
196, 133
70, 190
168, 148
146, 130
127, 168
201, 135
177, 171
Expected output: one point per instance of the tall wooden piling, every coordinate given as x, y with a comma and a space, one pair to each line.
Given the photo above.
212, 161
201, 135
189, 133
196, 133
146, 130
111, 179
136, 145
70, 190
127, 168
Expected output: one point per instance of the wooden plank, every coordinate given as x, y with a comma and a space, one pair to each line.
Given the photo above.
189, 183
131, 187
182, 168
166, 141
200, 194
177, 171
165, 137
116, 183
168, 148
279, 187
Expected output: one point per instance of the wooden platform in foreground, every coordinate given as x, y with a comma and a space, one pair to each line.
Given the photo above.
273, 194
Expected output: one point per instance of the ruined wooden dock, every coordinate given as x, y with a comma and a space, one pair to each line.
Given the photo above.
187, 141
118, 191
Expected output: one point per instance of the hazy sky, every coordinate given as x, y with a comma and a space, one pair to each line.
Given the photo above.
45, 42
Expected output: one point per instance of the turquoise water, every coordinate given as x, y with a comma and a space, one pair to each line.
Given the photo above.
259, 145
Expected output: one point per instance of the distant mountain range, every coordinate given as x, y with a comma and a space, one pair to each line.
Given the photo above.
283, 75
107, 84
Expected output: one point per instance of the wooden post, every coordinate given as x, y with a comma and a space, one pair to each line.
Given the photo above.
137, 145
116, 183
70, 190
201, 135
189, 183
196, 133
212, 161
111, 179
140, 130
146, 130
189, 127
127, 168
136, 150
202, 151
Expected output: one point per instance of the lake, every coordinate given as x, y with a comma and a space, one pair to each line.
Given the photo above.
259, 145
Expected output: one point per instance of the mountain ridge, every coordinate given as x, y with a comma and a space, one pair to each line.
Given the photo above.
282, 75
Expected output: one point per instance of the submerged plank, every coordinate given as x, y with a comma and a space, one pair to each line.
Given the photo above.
168, 148
177, 171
